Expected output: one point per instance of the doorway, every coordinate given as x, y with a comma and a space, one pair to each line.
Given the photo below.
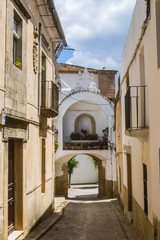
11, 187
84, 180
15, 185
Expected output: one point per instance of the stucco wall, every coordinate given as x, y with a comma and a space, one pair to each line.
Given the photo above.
19, 98
101, 118
72, 80
86, 172
2, 67
144, 149
133, 36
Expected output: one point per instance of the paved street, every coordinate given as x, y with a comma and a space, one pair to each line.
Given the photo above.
84, 191
92, 220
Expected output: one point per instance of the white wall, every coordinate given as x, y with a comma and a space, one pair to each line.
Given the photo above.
133, 36
75, 110
72, 80
86, 172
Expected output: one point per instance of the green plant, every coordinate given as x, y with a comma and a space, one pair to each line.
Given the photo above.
84, 131
78, 145
95, 163
105, 131
75, 136
105, 136
66, 144
18, 63
85, 146
92, 144
72, 164
56, 144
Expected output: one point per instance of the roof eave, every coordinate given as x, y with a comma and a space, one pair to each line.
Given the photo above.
57, 22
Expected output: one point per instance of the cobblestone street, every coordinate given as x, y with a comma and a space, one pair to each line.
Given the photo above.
98, 220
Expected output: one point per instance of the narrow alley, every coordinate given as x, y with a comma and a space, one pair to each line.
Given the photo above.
91, 220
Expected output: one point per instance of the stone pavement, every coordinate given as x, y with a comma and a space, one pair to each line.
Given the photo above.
92, 220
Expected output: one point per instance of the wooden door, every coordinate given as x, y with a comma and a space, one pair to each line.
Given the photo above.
11, 186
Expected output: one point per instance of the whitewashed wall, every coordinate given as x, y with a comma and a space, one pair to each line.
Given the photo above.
133, 36
75, 110
80, 174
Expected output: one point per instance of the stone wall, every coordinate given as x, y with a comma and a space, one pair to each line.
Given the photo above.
106, 81
61, 182
142, 223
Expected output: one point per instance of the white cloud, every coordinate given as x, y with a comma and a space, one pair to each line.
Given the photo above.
96, 29
86, 59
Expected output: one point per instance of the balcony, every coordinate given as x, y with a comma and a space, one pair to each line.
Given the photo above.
49, 99
89, 142
136, 111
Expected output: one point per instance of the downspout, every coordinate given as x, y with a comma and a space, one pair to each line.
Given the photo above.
56, 63
39, 72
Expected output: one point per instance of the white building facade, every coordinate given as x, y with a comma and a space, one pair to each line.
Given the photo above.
83, 107
138, 140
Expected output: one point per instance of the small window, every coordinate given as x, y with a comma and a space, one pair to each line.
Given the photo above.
17, 41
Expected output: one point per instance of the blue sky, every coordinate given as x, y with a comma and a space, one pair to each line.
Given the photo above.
96, 29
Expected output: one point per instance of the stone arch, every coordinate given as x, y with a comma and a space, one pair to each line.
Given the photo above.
93, 123
61, 179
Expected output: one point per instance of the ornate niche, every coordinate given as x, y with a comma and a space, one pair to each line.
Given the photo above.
35, 50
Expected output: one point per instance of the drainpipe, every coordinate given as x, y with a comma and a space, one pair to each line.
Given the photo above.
56, 58
39, 73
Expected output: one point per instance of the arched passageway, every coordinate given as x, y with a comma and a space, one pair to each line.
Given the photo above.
84, 180
105, 186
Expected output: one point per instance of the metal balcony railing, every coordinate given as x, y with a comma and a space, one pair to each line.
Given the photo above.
136, 108
49, 99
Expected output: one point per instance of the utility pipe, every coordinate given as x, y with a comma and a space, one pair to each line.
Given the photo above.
39, 72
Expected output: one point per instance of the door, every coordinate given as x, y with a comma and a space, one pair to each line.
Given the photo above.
11, 220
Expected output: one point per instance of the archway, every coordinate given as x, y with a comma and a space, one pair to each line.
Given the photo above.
61, 179
84, 180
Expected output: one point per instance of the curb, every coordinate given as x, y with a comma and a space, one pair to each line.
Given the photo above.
45, 225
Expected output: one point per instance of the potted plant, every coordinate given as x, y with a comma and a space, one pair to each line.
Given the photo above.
18, 64
78, 145
72, 146
66, 145
85, 146
75, 136
105, 142
84, 131
92, 144
104, 146
99, 145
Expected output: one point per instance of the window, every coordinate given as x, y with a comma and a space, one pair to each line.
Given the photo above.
145, 189
43, 67
17, 41
43, 78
